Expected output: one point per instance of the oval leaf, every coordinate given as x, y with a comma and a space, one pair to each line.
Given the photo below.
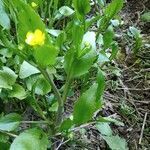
32, 139
82, 7
27, 70
89, 102
66, 11
10, 122
39, 83
79, 66
115, 142
85, 106
46, 55
18, 92
7, 78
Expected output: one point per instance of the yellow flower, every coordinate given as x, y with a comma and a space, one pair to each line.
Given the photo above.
36, 38
33, 4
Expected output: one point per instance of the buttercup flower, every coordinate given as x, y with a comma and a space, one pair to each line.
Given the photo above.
36, 38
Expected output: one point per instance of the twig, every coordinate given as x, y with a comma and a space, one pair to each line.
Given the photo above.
145, 70
136, 147
135, 78
62, 144
134, 89
79, 127
83, 126
143, 126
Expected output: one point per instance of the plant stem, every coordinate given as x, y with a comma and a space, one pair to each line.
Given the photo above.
8, 133
50, 13
39, 110
66, 88
35, 122
57, 94
75, 129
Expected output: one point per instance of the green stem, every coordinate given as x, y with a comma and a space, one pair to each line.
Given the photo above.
8, 133
40, 110
50, 13
58, 96
66, 89
55, 7
35, 122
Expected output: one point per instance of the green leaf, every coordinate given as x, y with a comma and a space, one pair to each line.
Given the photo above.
28, 19
111, 120
27, 70
82, 65
82, 7
89, 101
46, 55
109, 13
146, 17
108, 37
115, 22
53, 32
77, 33
78, 66
102, 3
4, 19
10, 122
61, 39
4, 138
4, 141
114, 52
104, 129
134, 31
66, 11
101, 86
39, 83
138, 38
32, 139
6, 52
85, 106
113, 8
102, 58
99, 40
54, 107
17, 92
4, 146
115, 142
66, 124
7, 78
